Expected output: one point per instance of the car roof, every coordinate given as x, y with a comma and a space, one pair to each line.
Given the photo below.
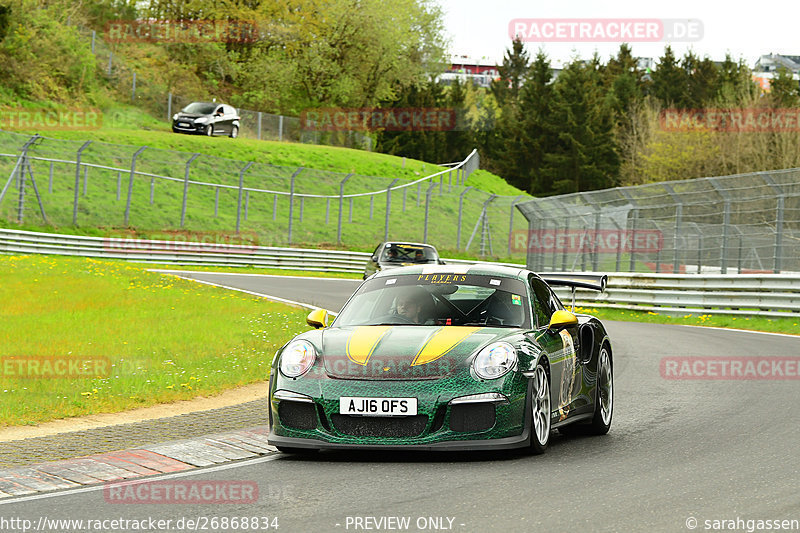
403, 243
486, 270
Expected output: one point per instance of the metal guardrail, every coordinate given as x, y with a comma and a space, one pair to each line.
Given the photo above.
769, 295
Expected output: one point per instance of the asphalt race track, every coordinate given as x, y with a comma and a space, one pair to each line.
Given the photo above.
679, 453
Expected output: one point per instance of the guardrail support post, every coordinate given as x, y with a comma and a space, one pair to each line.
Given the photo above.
388, 209
341, 207
78, 184
460, 214
186, 189
291, 199
239, 201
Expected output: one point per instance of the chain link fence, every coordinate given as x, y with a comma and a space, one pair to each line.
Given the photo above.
92, 184
741, 223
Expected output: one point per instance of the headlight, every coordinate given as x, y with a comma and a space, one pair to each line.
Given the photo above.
297, 358
201, 120
175, 116
495, 360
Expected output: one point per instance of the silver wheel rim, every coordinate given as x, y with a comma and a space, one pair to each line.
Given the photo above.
210, 131
235, 132
606, 387
541, 406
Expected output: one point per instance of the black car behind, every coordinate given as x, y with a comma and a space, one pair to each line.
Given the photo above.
204, 118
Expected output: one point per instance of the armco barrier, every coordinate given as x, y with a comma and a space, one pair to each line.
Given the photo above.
770, 295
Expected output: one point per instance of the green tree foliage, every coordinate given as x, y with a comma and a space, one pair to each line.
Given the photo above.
511, 74
43, 57
670, 81
784, 90
585, 156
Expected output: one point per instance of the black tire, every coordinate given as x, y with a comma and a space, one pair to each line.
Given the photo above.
604, 400
540, 411
296, 451
234, 132
210, 130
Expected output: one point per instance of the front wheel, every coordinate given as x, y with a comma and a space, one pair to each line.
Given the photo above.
210, 130
540, 411
234, 132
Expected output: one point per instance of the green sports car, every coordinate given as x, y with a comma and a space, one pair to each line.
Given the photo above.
445, 357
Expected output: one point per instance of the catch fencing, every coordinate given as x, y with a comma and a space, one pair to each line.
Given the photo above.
52, 182
741, 223
766, 295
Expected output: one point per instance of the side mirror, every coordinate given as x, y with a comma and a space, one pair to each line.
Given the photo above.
318, 318
441, 262
374, 258
561, 320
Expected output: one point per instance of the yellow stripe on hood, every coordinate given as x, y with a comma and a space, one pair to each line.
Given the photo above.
362, 342
442, 342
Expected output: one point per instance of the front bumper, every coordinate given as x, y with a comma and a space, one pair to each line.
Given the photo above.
439, 425
180, 126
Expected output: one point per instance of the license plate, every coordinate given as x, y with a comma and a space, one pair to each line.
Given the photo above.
349, 405
183, 125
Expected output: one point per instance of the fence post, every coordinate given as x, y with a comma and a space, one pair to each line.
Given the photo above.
94, 36
130, 186
427, 209
280, 127
291, 202
388, 207
186, 187
371, 205
246, 203
110, 56
776, 265
152, 189
302, 206
510, 220
78, 184
133, 88
275, 207
50, 182
419, 188
726, 220
328, 211
678, 220
259, 125
119, 184
239, 202
216, 202
405, 192
341, 207
460, 213
169, 107
85, 179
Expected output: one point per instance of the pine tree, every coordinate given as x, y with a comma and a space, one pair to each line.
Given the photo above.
670, 81
512, 74
784, 90
585, 156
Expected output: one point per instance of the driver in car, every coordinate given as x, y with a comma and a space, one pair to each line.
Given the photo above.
410, 305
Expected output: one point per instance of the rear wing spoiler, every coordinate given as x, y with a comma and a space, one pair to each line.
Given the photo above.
595, 282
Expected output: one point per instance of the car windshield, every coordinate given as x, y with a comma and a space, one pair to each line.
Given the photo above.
200, 108
408, 253
440, 299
